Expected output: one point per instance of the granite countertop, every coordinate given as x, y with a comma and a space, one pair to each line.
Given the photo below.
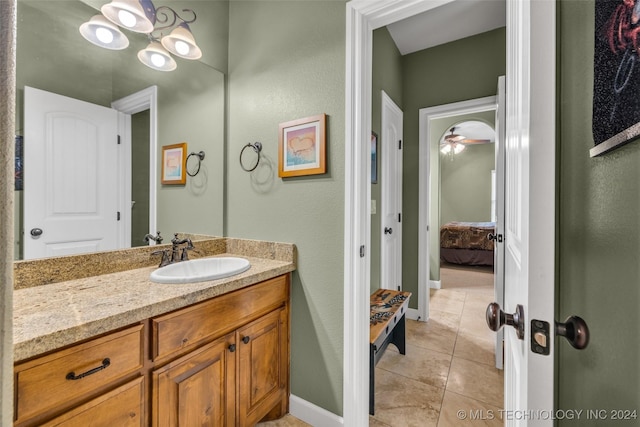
51, 316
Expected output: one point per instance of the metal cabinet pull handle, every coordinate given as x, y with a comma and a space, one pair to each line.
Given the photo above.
496, 318
105, 364
246, 339
575, 330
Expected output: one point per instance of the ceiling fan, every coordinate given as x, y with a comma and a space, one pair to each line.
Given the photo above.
455, 143
461, 139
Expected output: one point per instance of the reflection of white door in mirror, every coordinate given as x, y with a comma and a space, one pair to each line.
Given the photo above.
70, 191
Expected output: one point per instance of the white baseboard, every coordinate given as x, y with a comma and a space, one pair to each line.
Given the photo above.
435, 284
412, 313
313, 414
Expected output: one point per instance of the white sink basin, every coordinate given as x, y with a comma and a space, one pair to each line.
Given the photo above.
200, 270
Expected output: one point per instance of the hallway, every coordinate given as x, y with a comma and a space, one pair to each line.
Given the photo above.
448, 371
449, 365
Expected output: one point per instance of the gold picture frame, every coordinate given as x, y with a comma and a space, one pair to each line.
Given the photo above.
302, 147
173, 164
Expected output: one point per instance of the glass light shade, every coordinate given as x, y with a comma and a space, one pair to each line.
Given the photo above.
445, 149
102, 32
457, 149
181, 43
134, 15
156, 57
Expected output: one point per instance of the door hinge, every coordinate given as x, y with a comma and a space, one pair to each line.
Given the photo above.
362, 251
399, 287
399, 217
118, 216
400, 145
118, 139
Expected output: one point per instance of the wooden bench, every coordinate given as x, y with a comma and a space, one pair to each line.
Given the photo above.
386, 325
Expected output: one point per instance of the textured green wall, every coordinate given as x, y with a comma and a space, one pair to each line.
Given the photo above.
465, 185
430, 80
140, 177
387, 76
599, 240
287, 61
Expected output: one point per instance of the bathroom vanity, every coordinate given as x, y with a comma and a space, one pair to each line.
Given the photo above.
128, 352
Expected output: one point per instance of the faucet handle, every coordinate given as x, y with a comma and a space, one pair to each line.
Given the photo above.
165, 257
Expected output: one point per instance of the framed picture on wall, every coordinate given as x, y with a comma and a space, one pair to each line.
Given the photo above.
616, 81
302, 147
173, 164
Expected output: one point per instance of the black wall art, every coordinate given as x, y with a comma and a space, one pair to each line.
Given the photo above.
616, 77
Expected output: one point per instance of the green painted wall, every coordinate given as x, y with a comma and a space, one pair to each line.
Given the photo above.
465, 184
430, 80
140, 177
387, 76
598, 239
287, 61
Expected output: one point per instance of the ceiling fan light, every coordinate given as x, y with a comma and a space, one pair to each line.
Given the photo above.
156, 57
458, 148
134, 15
182, 43
445, 149
102, 32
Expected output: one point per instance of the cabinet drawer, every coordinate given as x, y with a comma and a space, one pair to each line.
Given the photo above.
181, 330
47, 383
122, 407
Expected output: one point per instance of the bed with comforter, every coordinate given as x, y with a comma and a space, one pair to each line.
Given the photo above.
467, 243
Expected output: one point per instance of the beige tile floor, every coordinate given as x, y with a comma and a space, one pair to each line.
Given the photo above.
448, 368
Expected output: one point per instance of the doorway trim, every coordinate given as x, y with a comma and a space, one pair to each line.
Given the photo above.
362, 17
146, 99
427, 115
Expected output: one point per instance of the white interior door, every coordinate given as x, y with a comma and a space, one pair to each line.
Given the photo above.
391, 197
498, 243
529, 209
70, 176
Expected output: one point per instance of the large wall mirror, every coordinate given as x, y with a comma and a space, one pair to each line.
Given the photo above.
52, 56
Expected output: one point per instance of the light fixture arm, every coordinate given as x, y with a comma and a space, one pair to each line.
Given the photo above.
167, 18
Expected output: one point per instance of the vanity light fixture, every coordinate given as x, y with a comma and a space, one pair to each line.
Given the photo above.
142, 16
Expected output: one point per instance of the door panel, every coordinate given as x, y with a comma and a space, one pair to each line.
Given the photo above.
70, 190
391, 203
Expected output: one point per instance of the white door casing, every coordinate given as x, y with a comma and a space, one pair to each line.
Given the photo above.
71, 156
530, 65
145, 99
426, 117
390, 147
498, 244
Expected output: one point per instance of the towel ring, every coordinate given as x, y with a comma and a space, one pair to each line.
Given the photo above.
257, 148
200, 156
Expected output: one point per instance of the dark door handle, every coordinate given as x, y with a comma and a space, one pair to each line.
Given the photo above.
495, 237
35, 232
388, 230
575, 330
496, 319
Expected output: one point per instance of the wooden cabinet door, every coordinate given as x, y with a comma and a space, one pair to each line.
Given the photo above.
122, 407
197, 389
263, 366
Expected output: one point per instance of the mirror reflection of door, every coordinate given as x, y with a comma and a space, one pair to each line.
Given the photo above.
70, 191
